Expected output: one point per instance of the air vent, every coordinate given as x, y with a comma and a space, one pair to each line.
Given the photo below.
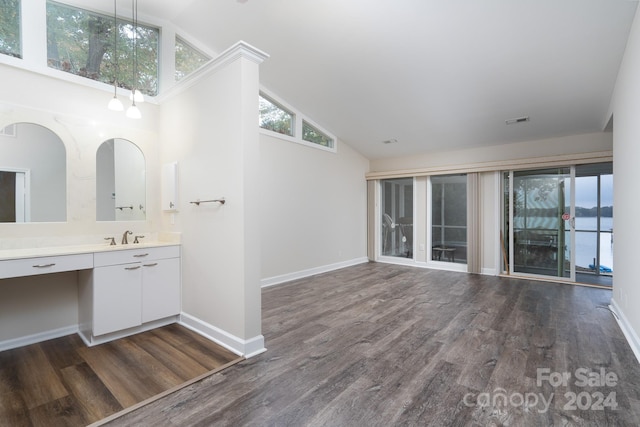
517, 120
390, 141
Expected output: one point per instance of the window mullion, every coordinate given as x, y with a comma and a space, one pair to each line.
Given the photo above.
34, 51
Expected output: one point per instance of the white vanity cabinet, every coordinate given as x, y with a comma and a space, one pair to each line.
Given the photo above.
117, 298
129, 291
160, 289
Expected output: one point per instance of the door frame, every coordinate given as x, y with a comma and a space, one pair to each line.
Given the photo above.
23, 193
571, 222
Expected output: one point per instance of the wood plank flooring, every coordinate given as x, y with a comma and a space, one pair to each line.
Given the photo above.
62, 382
383, 345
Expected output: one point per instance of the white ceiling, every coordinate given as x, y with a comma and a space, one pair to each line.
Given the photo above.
433, 74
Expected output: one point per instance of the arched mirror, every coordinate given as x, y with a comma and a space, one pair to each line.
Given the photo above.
120, 182
33, 174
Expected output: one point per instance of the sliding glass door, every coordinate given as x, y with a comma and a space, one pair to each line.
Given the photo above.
559, 222
540, 215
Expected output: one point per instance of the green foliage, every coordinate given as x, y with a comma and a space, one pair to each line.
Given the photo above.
274, 117
188, 59
82, 43
311, 134
10, 28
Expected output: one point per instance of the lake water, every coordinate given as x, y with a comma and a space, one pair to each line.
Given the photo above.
586, 242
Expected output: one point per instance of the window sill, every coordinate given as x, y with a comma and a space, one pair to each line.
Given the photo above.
297, 140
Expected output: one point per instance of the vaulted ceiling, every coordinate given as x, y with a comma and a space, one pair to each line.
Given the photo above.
432, 74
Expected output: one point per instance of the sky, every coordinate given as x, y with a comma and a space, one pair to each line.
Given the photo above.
586, 191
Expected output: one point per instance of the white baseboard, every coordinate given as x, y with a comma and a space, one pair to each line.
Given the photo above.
276, 280
247, 348
627, 330
36, 338
489, 271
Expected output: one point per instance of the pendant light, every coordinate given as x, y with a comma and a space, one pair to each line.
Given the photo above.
133, 112
115, 104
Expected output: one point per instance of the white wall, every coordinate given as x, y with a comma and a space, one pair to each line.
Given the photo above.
312, 208
626, 165
211, 130
574, 144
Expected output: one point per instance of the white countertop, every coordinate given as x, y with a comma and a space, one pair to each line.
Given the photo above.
9, 254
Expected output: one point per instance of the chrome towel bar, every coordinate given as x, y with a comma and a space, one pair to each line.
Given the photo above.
221, 201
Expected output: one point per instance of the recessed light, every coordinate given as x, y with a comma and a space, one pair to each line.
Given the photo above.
517, 120
390, 141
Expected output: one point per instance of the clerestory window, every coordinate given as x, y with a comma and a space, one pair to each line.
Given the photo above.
81, 42
275, 117
312, 134
10, 40
188, 59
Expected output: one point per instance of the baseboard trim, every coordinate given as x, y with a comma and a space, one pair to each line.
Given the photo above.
276, 280
489, 271
247, 348
39, 337
627, 330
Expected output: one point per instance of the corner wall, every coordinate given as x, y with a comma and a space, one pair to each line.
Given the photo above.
313, 209
210, 130
626, 161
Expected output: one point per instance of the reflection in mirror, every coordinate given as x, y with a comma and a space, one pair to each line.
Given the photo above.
120, 182
33, 174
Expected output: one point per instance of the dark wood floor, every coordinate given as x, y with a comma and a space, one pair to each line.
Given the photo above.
381, 345
62, 382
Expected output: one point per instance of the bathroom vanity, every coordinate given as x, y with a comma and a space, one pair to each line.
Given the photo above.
122, 290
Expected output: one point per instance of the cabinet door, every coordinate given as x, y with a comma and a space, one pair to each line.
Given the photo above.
160, 289
117, 298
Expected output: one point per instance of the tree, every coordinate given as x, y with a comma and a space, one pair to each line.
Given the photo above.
82, 43
10, 28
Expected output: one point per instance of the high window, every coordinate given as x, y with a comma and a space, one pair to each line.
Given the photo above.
188, 58
449, 218
275, 117
10, 43
314, 135
81, 42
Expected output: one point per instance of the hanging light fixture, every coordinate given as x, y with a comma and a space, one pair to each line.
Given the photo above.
115, 104
133, 112
137, 96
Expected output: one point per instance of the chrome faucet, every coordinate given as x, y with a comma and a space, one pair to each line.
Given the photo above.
125, 241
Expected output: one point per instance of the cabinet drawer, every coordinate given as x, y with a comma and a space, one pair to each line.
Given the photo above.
127, 256
44, 265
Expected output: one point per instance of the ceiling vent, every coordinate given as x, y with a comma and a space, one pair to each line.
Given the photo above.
517, 120
390, 141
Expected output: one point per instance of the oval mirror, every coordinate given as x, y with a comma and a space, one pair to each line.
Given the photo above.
33, 174
120, 181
